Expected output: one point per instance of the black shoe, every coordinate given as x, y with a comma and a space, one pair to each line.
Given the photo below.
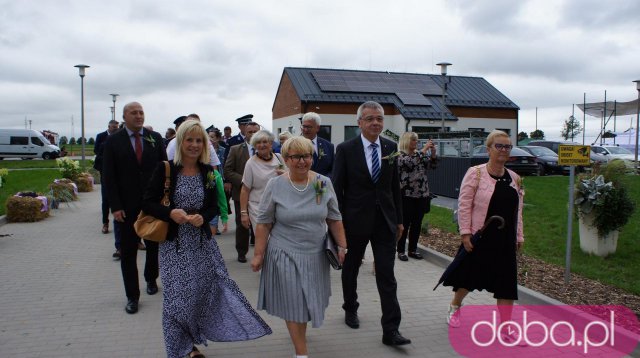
242, 258
132, 306
351, 319
152, 287
116, 255
394, 338
402, 256
415, 255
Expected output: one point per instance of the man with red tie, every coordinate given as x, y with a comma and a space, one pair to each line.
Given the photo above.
130, 157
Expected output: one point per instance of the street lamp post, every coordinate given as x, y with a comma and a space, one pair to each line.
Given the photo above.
637, 123
443, 72
81, 69
113, 109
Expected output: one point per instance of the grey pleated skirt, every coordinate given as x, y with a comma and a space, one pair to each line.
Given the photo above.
294, 286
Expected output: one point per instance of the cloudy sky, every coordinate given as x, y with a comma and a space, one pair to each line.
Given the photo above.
223, 59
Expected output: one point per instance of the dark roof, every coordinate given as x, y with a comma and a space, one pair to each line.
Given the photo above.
416, 96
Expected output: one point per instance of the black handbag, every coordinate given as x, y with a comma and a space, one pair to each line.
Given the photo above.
331, 250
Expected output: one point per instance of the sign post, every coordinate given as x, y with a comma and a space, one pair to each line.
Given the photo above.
572, 155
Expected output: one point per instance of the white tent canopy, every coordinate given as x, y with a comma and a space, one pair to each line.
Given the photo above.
596, 109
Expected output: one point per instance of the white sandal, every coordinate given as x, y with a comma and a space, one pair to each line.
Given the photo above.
453, 316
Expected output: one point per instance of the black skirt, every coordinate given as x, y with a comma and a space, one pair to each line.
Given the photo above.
492, 265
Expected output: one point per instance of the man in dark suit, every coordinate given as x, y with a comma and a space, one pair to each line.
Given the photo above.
98, 148
323, 152
368, 191
238, 156
130, 157
242, 125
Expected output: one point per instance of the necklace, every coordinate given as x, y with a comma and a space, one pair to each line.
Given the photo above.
268, 159
493, 172
295, 187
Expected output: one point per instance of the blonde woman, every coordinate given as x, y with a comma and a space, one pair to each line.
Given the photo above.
487, 190
414, 187
201, 302
295, 211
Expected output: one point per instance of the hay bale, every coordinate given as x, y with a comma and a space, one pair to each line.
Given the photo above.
84, 182
96, 175
62, 191
25, 209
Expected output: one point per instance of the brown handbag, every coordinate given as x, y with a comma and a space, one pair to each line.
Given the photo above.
149, 227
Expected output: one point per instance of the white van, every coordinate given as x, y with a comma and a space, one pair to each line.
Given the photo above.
26, 144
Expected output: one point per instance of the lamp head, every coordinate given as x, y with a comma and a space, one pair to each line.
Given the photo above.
81, 69
637, 85
114, 95
443, 67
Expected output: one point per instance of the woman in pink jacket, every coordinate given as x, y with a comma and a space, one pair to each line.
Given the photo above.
489, 189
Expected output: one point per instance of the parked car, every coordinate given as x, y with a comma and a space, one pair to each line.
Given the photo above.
519, 161
547, 160
26, 144
610, 152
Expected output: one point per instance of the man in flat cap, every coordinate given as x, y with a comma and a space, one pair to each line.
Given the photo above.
242, 125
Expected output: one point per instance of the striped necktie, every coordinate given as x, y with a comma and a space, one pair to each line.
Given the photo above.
375, 163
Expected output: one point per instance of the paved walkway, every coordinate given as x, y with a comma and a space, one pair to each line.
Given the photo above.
61, 295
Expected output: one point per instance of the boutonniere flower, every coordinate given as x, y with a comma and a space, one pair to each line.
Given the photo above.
320, 187
391, 157
521, 184
150, 139
320, 153
211, 180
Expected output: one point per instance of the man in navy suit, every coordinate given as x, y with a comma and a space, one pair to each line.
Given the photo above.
130, 157
322, 148
242, 125
367, 187
98, 148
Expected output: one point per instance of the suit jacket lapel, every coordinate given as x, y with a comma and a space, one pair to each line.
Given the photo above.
127, 144
384, 163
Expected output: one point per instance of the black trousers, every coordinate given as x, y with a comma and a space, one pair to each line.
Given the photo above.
242, 234
128, 255
413, 210
105, 202
383, 244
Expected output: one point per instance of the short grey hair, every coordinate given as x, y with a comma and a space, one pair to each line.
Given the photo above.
370, 105
312, 116
262, 136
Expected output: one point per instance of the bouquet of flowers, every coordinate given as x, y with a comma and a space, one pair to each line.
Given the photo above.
70, 169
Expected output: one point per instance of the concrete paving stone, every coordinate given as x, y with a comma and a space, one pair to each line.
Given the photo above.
61, 295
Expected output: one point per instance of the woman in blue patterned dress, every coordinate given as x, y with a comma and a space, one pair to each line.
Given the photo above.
201, 302
294, 213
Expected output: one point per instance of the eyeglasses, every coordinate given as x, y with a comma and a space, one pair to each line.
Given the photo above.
505, 147
306, 127
298, 157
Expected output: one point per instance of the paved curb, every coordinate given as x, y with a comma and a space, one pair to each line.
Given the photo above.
3, 220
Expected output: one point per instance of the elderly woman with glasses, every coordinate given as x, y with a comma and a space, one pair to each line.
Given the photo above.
487, 190
295, 211
261, 167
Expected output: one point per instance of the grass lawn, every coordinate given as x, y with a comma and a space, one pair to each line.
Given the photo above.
77, 149
26, 180
28, 164
545, 231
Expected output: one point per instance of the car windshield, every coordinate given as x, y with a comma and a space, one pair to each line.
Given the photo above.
618, 150
542, 151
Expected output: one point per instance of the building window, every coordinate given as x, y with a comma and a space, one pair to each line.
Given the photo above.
506, 130
325, 133
476, 129
290, 129
351, 132
426, 129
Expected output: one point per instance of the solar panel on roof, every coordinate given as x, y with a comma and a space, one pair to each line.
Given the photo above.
413, 99
375, 82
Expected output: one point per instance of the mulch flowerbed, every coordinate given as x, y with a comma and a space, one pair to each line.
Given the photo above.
548, 279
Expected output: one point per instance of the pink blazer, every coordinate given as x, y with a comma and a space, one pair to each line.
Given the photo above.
473, 204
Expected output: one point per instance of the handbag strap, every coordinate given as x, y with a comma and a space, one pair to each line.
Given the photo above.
167, 184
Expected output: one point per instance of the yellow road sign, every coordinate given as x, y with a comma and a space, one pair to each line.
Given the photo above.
574, 155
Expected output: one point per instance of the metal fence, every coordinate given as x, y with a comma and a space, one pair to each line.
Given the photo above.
446, 178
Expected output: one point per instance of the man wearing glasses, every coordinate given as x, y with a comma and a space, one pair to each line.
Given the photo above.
367, 186
322, 148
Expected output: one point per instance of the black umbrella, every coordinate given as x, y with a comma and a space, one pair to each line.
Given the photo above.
462, 253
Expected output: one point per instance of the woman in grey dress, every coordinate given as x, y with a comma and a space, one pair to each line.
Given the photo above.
294, 213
